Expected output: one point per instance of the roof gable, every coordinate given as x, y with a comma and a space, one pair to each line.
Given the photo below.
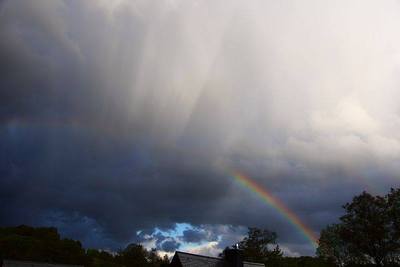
184, 259
252, 264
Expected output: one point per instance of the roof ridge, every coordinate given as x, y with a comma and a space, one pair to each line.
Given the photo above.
254, 263
197, 255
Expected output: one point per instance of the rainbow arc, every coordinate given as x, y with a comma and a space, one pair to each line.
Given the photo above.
278, 205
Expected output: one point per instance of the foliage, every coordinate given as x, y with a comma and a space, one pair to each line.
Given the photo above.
332, 248
97, 258
132, 256
368, 233
304, 261
39, 244
260, 246
44, 244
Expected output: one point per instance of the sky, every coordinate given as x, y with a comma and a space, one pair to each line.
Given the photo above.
126, 121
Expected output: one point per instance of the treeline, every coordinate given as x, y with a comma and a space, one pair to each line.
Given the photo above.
44, 244
368, 234
260, 246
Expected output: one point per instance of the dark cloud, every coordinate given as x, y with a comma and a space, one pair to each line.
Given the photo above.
170, 246
118, 119
193, 236
198, 235
161, 241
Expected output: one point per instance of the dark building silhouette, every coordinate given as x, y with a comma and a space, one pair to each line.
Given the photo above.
232, 258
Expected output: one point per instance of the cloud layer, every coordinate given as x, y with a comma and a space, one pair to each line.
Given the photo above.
126, 116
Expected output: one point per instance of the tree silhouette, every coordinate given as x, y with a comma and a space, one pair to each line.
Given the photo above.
39, 244
368, 232
44, 244
333, 249
256, 246
135, 255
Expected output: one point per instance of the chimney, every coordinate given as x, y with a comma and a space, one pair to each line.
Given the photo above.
233, 257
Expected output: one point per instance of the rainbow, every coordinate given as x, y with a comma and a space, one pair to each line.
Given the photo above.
278, 205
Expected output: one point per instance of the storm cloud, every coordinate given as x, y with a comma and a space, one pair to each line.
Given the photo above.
124, 116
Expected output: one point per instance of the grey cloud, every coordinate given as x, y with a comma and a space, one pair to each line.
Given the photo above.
193, 236
162, 241
170, 245
198, 235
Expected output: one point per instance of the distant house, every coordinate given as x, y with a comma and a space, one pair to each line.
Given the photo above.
13, 263
183, 259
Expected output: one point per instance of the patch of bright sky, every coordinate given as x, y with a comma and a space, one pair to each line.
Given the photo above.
177, 231
204, 247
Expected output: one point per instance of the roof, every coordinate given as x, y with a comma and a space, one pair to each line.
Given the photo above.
252, 264
193, 260
13, 263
